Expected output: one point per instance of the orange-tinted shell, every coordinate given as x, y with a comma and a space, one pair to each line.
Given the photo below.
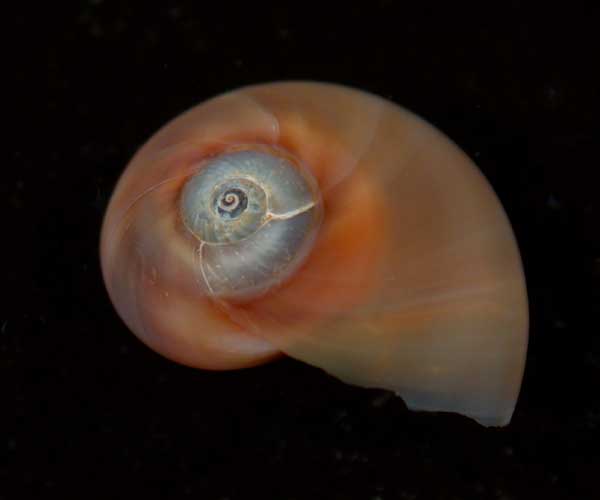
414, 283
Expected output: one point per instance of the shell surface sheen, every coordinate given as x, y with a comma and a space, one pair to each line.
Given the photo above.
255, 215
330, 225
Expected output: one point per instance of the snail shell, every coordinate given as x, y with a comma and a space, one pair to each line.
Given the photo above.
330, 225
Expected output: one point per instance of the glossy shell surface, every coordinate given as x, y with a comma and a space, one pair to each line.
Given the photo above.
395, 265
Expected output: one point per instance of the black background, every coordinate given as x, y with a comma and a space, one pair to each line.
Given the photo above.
98, 415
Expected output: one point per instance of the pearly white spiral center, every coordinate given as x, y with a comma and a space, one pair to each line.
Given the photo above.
232, 203
255, 216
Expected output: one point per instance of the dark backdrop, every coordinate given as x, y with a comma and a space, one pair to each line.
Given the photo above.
98, 415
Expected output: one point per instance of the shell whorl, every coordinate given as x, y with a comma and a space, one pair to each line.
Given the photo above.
255, 215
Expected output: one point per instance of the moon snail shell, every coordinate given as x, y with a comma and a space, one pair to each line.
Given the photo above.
329, 225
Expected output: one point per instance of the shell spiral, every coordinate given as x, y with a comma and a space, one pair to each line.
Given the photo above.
329, 225
255, 215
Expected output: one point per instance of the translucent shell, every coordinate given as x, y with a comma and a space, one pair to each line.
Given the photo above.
330, 225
